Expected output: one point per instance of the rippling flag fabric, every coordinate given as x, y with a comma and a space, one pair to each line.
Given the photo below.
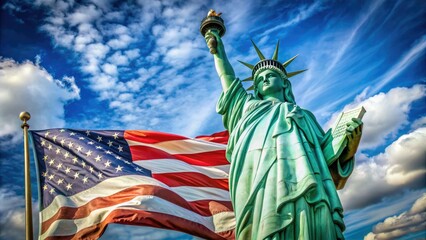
88, 179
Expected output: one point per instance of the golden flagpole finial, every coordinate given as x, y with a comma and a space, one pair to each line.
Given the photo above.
25, 116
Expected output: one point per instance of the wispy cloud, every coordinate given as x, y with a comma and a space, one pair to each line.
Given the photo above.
353, 33
403, 63
303, 12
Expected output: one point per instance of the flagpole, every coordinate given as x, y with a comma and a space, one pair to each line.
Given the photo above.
25, 116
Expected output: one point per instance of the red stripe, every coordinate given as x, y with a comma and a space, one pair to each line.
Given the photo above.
152, 219
211, 158
193, 179
220, 137
203, 207
150, 136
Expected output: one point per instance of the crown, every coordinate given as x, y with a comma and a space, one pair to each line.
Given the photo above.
272, 64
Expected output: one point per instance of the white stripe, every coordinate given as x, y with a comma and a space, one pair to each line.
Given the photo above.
202, 193
186, 146
103, 189
114, 185
172, 166
63, 227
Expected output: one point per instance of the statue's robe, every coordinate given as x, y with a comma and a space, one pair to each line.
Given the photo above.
280, 183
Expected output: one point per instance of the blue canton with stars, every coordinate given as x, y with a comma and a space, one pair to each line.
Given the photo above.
70, 161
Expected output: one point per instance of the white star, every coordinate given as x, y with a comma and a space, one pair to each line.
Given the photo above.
58, 150
49, 147
72, 134
107, 164
81, 138
115, 135
89, 153
79, 148
46, 134
118, 168
98, 158
74, 160
51, 176
51, 162
66, 154
59, 166
45, 157
76, 175
69, 186
109, 143
91, 169
52, 190
45, 187
43, 142
62, 130
67, 170
99, 138
62, 142
120, 148
60, 181
108, 152
100, 175
70, 145
98, 147
85, 179
90, 143
44, 174
118, 157
88, 133
138, 169
83, 163
55, 137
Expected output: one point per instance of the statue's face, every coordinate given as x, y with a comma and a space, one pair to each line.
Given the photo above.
269, 82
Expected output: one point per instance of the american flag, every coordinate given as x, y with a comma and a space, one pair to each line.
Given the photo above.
88, 179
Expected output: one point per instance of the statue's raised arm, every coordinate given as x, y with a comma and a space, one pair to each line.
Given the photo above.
212, 29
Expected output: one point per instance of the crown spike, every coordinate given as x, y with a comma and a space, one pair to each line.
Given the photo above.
289, 61
275, 56
247, 79
292, 74
250, 88
247, 64
259, 53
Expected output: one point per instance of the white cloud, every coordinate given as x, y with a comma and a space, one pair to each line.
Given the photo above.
119, 59
386, 113
12, 215
133, 53
27, 87
406, 158
121, 42
84, 14
406, 223
421, 122
400, 166
110, 69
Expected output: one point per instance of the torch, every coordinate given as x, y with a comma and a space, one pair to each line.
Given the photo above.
212, 22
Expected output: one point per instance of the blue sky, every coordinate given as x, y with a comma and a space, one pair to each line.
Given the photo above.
144, 65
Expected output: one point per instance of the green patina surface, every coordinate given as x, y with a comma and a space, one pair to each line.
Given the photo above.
281, 185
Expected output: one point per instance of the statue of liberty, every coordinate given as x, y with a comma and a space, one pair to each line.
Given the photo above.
282, 179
